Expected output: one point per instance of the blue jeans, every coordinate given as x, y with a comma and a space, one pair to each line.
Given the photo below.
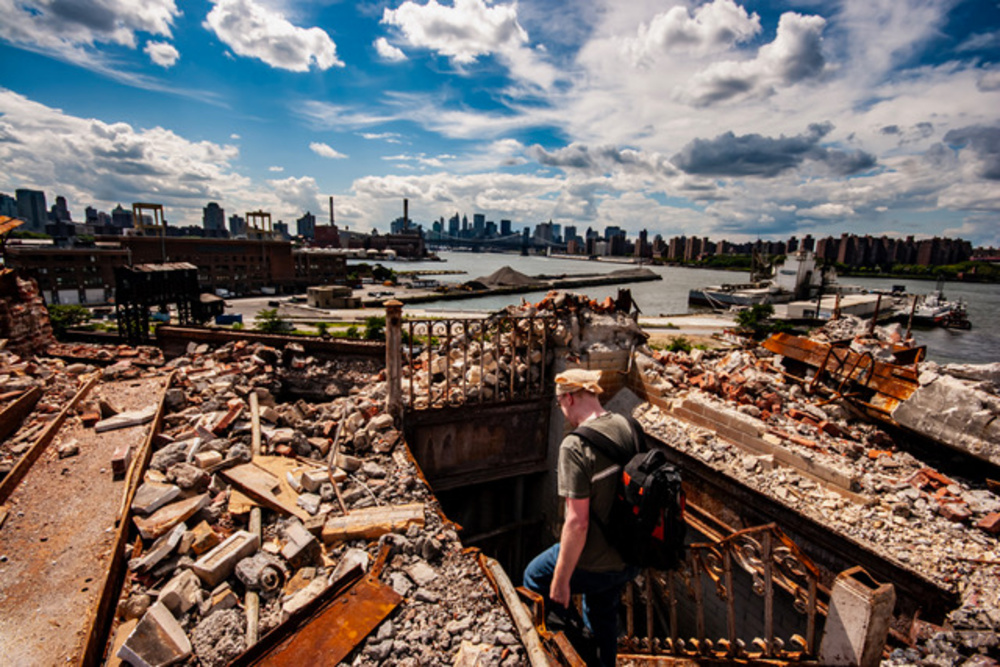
601, 594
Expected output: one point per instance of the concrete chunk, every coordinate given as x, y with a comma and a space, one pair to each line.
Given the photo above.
169, 516
160, 550
126, 419
151, 496
158, 640
220, 562
302, 547
181, 593
312, 479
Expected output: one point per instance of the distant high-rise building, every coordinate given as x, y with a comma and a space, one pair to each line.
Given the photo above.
570, 234
478, 225
31, 208
8, 206
453, 225
491, 229
281, 230
213, 218
238, 226
505, 228
60, 211
307, 226
121, 217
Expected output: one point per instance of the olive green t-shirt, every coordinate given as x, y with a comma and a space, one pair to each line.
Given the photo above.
585, 472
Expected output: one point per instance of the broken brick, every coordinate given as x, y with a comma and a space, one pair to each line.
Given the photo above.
956, 512
235, 409
120, 460
990, 523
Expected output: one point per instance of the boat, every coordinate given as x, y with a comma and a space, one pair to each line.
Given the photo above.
797, 278
934, 310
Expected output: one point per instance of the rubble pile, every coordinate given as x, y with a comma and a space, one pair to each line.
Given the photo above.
58, 382
337, 487
736, 411
92, 353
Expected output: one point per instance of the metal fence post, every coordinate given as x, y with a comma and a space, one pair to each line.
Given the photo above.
393, 359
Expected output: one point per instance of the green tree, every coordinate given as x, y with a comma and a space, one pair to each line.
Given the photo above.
757, 320
65, 317
269, 321
375, 328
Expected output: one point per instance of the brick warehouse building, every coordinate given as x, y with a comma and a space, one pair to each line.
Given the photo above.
86, 275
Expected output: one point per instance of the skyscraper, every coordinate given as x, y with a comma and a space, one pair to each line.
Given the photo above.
213, 218
307, 226
31, 208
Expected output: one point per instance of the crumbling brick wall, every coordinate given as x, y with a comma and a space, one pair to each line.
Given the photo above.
24, 320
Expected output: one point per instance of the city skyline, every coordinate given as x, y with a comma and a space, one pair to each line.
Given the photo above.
724, 119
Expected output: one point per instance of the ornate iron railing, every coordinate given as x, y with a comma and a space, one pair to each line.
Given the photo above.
451, 361
774, 563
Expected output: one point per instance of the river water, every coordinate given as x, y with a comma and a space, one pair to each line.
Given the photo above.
979, 345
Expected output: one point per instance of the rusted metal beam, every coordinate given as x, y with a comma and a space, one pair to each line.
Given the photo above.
894, 382
14, 414
333, 633
101, 618
15, 476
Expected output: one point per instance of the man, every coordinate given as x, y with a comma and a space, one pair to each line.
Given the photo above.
583, 561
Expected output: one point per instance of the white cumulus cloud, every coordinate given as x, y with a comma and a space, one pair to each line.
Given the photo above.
324, 150
795, 55
468, 30
162, 53
93, 161
713, 27
387, 51
254, 31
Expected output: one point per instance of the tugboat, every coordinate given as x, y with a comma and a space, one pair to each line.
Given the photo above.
934, 310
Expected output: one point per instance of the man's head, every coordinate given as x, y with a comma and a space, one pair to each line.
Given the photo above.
576, 393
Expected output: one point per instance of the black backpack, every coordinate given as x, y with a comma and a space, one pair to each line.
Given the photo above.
646, 524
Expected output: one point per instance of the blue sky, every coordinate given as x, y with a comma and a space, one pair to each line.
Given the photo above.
726, 119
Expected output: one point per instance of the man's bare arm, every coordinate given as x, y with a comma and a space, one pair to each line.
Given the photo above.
574, 536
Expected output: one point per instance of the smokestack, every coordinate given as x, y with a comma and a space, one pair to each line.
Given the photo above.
332, 223
406, 214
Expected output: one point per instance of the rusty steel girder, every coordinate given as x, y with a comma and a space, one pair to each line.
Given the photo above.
848, 371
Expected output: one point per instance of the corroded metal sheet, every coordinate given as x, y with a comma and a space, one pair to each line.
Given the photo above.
333, 633
894, 383
478, 443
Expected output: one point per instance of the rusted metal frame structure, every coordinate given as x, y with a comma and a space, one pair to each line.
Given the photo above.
519, 342
140, 287
886, 384
772, 560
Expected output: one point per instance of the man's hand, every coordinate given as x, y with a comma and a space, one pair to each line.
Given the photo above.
574, 536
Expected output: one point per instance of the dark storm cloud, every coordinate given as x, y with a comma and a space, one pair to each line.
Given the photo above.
600, 159
757, 155
984, 142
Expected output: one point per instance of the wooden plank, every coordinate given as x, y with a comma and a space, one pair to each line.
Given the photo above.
14, 414
537, 657
265, 487
372, 523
